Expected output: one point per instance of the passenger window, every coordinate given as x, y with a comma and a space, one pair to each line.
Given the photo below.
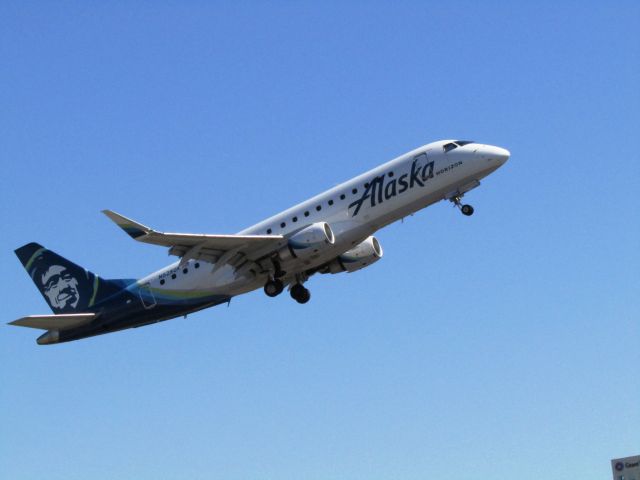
354, 191
318, 208
268, 233
197, 265
330, 202
342, 196
162, 282
282, 225
306, 214
390, 174
185, 270
173, 276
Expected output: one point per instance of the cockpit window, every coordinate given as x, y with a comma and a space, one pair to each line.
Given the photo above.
449, 146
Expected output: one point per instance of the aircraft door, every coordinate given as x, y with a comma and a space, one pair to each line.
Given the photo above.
146, 296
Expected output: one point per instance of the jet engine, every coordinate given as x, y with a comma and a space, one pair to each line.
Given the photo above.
308, 242
360, 256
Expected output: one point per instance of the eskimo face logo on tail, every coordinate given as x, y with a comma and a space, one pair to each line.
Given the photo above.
65, 286
377, 190
60, 287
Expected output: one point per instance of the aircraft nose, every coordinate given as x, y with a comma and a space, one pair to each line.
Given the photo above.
495, 154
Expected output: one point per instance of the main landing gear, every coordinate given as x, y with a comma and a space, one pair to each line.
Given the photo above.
465, 209
298, 292
274, 287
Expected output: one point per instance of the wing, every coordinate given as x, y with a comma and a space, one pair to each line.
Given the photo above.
54, 322
220, 249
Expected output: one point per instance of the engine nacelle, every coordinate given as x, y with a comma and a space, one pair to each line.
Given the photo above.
308, 242
360, 256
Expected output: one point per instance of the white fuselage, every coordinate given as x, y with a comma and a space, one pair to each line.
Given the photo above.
354, 210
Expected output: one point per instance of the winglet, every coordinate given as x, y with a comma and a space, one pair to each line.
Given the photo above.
133, 228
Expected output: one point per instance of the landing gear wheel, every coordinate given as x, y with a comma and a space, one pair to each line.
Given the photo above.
273, 288
466, 210
300, 294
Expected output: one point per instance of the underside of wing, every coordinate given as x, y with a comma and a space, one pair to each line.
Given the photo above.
201, 246
54, 322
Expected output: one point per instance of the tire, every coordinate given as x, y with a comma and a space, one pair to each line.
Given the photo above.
300, 294
467, 210
306, 296
273, 288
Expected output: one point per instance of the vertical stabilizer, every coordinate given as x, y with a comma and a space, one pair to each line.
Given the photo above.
67, 287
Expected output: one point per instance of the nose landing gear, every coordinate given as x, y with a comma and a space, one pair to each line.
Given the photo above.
465, 209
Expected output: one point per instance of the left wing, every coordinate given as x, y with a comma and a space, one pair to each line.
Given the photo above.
220, 249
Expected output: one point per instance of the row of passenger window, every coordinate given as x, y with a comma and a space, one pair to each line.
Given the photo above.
185, 270
354, 191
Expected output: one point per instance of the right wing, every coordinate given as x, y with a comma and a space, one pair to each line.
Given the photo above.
219, 249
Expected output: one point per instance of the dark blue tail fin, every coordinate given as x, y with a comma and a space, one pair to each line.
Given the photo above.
67, 287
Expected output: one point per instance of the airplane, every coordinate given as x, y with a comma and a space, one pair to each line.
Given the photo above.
328, 234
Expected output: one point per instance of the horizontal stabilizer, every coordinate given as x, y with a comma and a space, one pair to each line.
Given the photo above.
54, 322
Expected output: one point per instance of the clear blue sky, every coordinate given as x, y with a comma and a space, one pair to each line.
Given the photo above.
499, 346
